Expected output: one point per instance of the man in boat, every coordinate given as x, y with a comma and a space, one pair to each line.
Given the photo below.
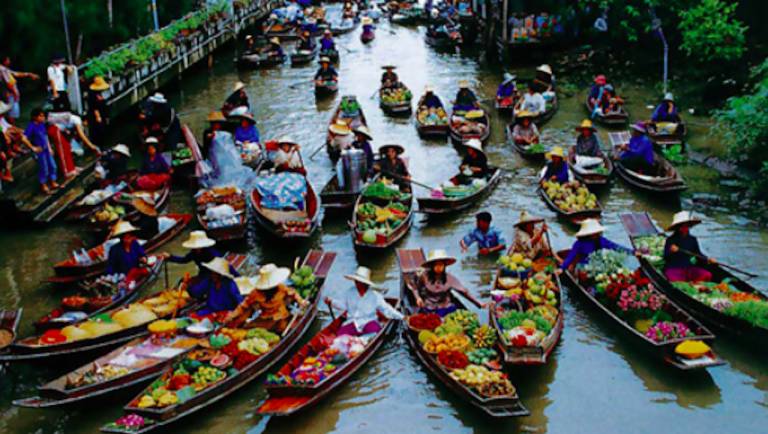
682, 253
587, 144
389, 78
530, 239
113, 165
340, 135
201, 250
637, 155
155, 173
246, 132
273, 49
367, 25
215, 123
147, 224
489, 239
326, 42
219, 289
433, 287
238, 98
326, 73
306, 42
161, 121
362, 142
474, 164
532, 102
589, 239
126, 257
392, 166
610, 104
557, 168
37, 135
269, 295
287, 158
596, 91
250, 44
430, 100
505, 94
525, 132
362, 306
466, 100
665, 117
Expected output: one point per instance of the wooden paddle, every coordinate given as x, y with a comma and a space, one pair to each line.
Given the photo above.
294, 315
312, 156
730, 267
420, 184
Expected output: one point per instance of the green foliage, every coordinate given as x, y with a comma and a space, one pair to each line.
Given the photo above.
711, 31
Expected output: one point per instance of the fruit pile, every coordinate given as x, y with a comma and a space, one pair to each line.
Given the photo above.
97, 374
395, 95
652, 249
322, 362
432, 116
484, 337
465, 125
514, 263
486, 382
481, 356
571, 196
452, 341
130, 422
108, 214
384, 189
181, 156
304, 281
529, 328
374, 220
425, 321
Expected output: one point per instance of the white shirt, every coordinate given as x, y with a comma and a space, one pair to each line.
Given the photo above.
362, 310
533, 103
58, 75
342, 142
292, 159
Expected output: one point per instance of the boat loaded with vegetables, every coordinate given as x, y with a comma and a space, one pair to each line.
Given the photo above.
233, 356
726, 302
449, 198
119, 207
571, 200
383, 215
642, 311
456, 349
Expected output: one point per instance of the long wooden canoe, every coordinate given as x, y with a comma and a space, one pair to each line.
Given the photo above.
395, 109
299, 224
383, 242
338, 200
666, 179
445, 205
326, 88
81, 210
526, 152
358, 119
640, 225
259, 60
575, 217
590, 177
427, 130
410, 261
163, 417
612, 120
288, 399
459, 137
232, 232
663, 350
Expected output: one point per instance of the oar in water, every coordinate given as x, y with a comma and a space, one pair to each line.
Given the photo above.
730, 267
420, 184
294, 315
312, 156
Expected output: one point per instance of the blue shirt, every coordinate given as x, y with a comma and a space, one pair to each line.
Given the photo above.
560, 172
662, 113
582, 248
327, 44
506, 89
639, 146
491, 238
224, 298
155, 165
38, 135
121, 262
595, 92
432, 101
248, 134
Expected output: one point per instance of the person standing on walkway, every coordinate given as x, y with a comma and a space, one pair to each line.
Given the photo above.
37, 134
98, 111
10, 89
57, 83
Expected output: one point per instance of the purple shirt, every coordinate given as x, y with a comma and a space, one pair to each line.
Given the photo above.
582, 248
249, 134
224, 298
559, 172
327, 44
121, 262
639, 146
155, 165
38, 135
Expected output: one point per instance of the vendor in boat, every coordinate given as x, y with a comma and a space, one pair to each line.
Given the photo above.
589, 239
474, 164
389, 77
525, 132
238, 98
507, 91
219, 289
340, 137
665, 117
682, 253
432, 291
610, 104
392, 166
215, 123
326, 42
250, 44
557, 168
362, 306
531, 239
287, 158
362, 142
273, 49
587, 143
201, 250
532, 102
466, 100
430, 100
326, 73
596, 91
246, 132
161, 121
268, 294
367, 25
489, 239
127, 256
147, 224
155, 173
637, 155
113, 165
306, 42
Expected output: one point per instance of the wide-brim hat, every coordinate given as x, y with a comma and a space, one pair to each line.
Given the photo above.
363, 130
600, 79
463, 84
216, 116
429, 89
247, 116
639, 127
151, 141
324, 59
366, 20
399, 149
340, 128
158, 98
219, 266
327, 32
438, 255
198, 240
144, 207
123, 227
286, 140
526, 218
389, 67
545, 68
238, 86
270, 275
274, 40
99, 84
668, 97
590, 227
681, 218
4, 108
523, 114
557, 151
508, 77
122, 149
244, 284
247, 37
475, 144
362, 275
586, 124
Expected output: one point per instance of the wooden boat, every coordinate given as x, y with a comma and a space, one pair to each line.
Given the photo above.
663, 350
231, 230
612, 120
326, 88
164, 416
303, 57
444, 205
401, 108
542, 118
442, 40
592, 178
288, 399
458, 137
70, 270
430, 130
410, 261
282, 31
640, 225
9, 323
537, 154
94, 305
344, 27
339, 200
332, 55
260, 60
575, 217
160, 198
353, 121
663, 140
382, 241
289, 224
506, 109
666, 178
85, 208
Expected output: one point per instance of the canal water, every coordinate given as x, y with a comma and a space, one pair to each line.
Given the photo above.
595, 381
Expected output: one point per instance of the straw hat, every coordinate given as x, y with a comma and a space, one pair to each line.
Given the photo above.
144, 207
388, 67
151, 141
367, 20
248, 37
586, 124
327, 32
683, 217
363, 130
474, 144
668, 97
219, 266
438, 255
474, 114
4, 108
428, 89
362, 275
399, 149
275, 40
123, 227
270, 275
239, 85
600, 79
244, 285
590, 227
198, 240
526, 218
557, 151
639, 127
99, 84
523, 114
122, 149
463, 84
340, 128
158, 98
216, 116
508, 77
325, 59
545, 68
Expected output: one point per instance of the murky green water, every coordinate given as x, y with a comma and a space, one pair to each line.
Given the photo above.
595, 382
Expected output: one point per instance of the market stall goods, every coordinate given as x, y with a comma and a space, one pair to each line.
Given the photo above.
592, 174
222, 212
535, 152
431, 122
395, 101
571, 201
473, 124
451, 198
87, 205
286, 205
119, 207
383, 215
